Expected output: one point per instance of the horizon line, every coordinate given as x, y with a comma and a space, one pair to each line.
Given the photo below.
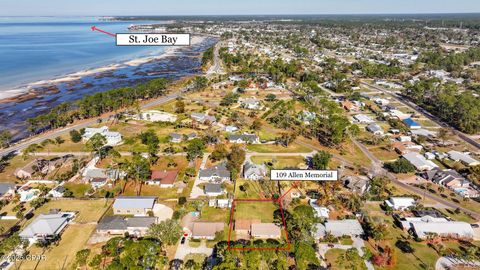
254, 14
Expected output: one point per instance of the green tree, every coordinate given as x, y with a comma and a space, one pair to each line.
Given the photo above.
167, 231
96, 143
401, 165
320, 160
138, 169
75, 136
81, 257
5, 138
195, 149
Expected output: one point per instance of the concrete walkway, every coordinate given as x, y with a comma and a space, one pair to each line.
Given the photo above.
197, 191
185, 249
357, 244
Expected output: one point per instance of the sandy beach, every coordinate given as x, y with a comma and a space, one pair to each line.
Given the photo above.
27, 101
30, 90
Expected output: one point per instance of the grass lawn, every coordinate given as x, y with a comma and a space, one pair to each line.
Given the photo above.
198, 258
255, 210
272, 148
66, 146
383, 154
78, 189
88, 210
151, 190
280, 162
214, 214
334, 257
61, 256
267, 135
7, 175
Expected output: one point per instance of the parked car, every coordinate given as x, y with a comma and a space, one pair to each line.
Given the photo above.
182, 241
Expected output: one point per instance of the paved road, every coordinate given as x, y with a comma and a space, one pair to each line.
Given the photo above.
216, 67
377, 164
425, 113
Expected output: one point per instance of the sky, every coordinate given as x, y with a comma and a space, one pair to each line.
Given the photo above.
230, 7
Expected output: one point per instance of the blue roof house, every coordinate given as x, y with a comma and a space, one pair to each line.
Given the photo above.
411, 124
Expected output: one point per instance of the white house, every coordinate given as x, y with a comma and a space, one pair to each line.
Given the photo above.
339, 228
113, 138
254, 172
46, 227
320, 211
463, 157
375, 129
57, 192
251, 103
363, 119
419, 161
400, 203
244, 138
156, 116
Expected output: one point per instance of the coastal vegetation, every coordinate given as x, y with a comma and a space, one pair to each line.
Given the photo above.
96, 105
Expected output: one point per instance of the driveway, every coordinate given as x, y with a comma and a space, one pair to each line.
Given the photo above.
197, 191
185, 249
357, 243
162, 212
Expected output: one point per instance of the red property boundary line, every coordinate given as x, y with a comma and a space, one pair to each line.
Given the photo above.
279, 201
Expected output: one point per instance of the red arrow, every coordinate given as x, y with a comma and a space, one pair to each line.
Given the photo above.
94, 28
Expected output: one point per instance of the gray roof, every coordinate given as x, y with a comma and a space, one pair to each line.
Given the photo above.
250, 168
213, 188
219, 170
96, 173
175, 136
5, 187
141, 202
45, 224
243, 137
340, 228
140, 222
112, 223
373, 127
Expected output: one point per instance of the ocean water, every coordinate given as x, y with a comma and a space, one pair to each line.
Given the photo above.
52, 60
34, 48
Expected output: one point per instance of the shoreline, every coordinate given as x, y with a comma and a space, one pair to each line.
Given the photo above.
33, 89
173, 63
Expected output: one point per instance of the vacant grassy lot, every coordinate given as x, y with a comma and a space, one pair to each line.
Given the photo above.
88, 210
272, 148
215, 214
255, 210
280, 162
61, 256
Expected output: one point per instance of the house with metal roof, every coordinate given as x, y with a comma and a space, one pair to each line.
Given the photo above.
375, 129
135, 205
400, 203
254, 171
419, 161
339, 228
411, 124
444, 228
46, 227
462, 157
